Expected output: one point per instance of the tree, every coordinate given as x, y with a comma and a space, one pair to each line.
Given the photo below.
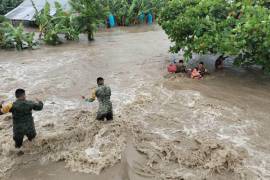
128, 11
15, 37
252, 36
8, 5
119, 8
51, 26
235, 28
89, 13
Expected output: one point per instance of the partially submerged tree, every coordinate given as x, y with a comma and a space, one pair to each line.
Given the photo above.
235, 28
51, 26
15, 37
89, 13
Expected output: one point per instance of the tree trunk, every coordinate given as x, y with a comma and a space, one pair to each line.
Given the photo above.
90, 36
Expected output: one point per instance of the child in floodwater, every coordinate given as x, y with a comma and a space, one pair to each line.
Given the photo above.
195, 73
180, 67
23, 121
202, 70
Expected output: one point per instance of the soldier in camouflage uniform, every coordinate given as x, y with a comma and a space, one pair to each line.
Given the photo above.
103, 94
23, 122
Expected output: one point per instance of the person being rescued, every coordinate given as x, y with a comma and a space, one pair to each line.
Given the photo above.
195, 73
103, 94
23, 121
177, 67
202, 70
180, 67
219, 64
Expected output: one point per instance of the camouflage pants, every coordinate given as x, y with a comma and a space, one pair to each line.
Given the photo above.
108, 116
18, 137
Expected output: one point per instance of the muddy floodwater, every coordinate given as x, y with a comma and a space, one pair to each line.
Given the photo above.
165, 126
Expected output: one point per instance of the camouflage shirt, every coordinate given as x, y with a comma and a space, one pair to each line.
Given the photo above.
21, 110
103, 94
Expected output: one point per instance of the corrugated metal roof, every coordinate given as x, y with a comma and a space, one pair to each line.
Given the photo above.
26, 12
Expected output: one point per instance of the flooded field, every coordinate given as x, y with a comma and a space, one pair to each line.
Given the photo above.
165, 127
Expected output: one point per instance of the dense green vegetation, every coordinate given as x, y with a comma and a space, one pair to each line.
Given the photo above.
236, 28
127, 12
51, 27
89, 13
15, 37
8, 5
84, 17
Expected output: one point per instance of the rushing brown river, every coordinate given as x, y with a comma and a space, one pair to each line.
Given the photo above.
165, 127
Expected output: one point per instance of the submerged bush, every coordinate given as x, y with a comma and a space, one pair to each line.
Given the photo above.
52, 26
15, 37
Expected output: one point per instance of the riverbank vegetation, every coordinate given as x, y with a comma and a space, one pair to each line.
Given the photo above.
8, 5
88, 15
52, 26
128, 12
15, 37
84, 17
240, 29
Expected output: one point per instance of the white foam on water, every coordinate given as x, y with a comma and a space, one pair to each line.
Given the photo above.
190, 131
54, 108
93, 153
162, 132
237, 134
31, 75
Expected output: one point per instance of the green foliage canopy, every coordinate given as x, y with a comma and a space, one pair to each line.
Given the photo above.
127, 11
52, 26
8, 5
235, 28
89, 13
15, 37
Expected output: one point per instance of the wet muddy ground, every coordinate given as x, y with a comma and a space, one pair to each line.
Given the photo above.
165, 127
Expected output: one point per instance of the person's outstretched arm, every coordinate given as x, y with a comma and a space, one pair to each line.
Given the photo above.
37, 106
92, 98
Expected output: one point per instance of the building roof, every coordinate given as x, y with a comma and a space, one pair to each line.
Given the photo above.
26, 12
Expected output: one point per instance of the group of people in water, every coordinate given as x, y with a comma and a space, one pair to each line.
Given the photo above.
197, 72
23, 121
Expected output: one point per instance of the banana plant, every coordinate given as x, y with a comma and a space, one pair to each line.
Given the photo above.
128, 11
15, 37
42, 18
90, 13
51, 26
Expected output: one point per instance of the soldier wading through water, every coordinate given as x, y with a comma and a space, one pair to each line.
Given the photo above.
23, 121
103, 94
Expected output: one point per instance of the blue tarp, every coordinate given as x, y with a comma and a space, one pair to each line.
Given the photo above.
141, 18
149, 18
111, 20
